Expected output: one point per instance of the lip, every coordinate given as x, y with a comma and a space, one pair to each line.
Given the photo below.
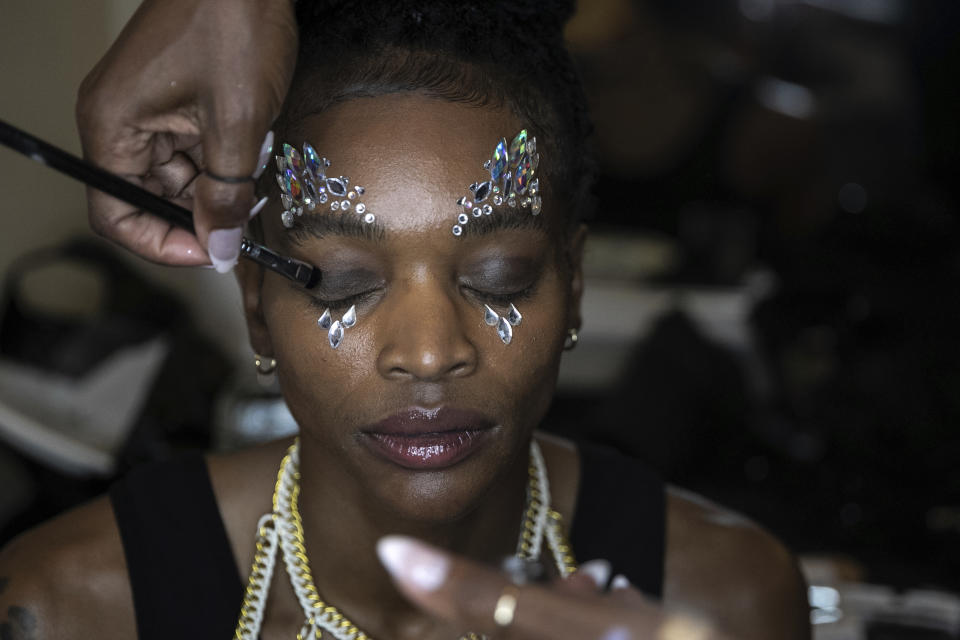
418, 438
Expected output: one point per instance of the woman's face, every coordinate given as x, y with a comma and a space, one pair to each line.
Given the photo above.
422, 406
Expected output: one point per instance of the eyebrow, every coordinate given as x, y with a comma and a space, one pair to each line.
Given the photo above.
348, 224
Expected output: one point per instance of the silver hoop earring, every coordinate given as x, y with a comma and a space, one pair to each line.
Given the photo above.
336, 328
265, 365
504, 324
570, 342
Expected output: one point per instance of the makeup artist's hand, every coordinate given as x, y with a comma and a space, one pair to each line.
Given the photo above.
466, 593
188, 85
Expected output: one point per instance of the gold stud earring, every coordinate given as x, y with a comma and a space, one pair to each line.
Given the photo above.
265, 365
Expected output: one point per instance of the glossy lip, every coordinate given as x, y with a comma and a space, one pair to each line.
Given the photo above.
422, 439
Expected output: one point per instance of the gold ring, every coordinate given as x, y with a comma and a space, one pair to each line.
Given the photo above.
506, 606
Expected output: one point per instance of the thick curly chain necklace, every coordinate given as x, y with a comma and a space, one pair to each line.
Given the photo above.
283, 528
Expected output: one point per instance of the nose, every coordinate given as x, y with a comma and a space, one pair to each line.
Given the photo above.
425, 338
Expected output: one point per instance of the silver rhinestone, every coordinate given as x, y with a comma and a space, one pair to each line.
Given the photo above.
335, 205
361, 207
352, 195
536, 206
526, 202
350, 317
369, 218
505, 331
325, 320
286, 201
512, 201
513, 316
490, 316
534, 187
463, 218
281, 163
477, 212
287, 218
487, 209
360, 190
457, 230
322, 198
335, 335
345, 204
498, 200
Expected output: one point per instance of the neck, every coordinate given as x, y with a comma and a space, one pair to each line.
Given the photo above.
342, 523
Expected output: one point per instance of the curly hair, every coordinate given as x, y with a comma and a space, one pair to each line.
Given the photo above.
504, 54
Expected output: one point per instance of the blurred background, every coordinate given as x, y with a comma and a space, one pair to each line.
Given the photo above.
772, 304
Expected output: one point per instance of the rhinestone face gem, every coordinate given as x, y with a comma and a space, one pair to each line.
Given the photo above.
536, 205
335, 335
369, 218
293, 158
309, 187
345, 204
463, 218
487, 209
291, 184
498, 200
336, 186
361, 207
457, 230
518, 148
349, 318
325, 320
322, 197
526, 202
505, 330
534, 187
287, 218
352, 195
477, 212
286, 201
513, 316
313, 162
490, 316
335, 205
498, 163
360, 190
522, 175
483, 190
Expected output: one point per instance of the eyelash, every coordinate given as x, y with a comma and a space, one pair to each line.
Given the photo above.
484, 296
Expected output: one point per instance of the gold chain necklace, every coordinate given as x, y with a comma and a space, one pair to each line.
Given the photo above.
284, 528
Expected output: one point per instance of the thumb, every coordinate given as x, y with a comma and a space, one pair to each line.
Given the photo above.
234, 153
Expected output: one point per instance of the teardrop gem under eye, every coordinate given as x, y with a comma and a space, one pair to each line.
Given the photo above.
325, 320
349, 318
335, 335
505, 331
490, 316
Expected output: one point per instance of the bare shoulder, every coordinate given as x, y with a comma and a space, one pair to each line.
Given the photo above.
67, 579
724, 567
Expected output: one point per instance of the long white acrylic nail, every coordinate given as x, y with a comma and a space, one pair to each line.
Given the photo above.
619, 582
412, 563
617, 633
598, 570
224, 248
257, 208
266, 149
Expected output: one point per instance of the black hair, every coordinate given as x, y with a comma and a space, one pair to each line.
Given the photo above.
508, 54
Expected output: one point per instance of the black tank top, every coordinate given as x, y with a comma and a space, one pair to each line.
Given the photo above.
184, 578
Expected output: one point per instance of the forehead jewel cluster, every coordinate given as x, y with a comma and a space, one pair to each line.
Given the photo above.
305, 185
513, 182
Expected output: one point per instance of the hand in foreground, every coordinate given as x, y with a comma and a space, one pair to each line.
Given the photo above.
468, 594
188, 85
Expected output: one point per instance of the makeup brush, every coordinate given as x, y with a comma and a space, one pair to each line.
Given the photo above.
302, 273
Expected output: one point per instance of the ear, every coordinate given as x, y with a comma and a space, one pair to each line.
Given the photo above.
250, 279
575, 250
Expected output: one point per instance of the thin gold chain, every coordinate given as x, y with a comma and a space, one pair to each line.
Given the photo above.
563, 554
